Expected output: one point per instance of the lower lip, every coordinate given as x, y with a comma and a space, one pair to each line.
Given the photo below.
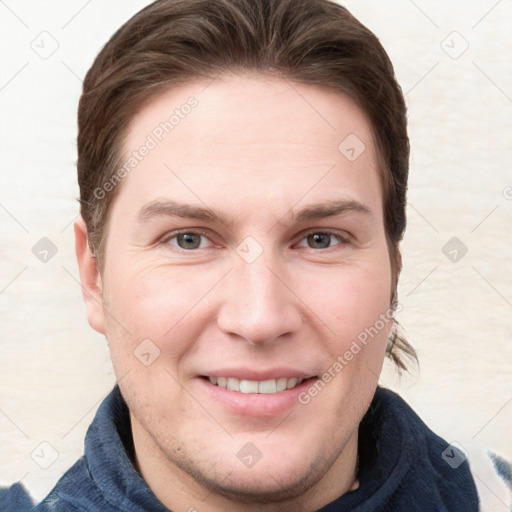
256, 404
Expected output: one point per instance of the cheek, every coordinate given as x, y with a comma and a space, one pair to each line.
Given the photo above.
355, 297
154, 304
354, 303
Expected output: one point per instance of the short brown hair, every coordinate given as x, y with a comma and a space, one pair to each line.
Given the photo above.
174, 41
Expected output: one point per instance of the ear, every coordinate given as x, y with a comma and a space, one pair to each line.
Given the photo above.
90, 278
399, 257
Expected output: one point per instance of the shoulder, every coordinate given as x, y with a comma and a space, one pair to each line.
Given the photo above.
15, 499
74, 492
97, 481
439, 472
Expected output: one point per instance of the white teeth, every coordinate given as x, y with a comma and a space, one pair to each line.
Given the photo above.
233, 384
253, 386
291, 383
268, 386
249, 386
281, 384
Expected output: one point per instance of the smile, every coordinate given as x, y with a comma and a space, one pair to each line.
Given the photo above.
254, 386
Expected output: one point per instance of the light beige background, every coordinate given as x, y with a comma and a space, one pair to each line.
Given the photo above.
55, 369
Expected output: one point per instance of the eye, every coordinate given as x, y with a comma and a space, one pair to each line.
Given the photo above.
188, 240
322, 240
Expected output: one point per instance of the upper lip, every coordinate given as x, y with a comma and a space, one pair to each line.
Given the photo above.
259, 375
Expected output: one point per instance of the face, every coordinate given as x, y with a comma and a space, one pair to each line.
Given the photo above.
247, 249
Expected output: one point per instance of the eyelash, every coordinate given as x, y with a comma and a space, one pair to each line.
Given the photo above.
343, 240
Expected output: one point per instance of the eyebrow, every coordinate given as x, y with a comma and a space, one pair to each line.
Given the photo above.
172, 208
331, 209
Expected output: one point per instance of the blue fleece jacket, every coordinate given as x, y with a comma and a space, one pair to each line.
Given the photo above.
403, 467
15, 499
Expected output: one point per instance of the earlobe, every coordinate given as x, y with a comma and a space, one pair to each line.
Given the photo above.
90, 278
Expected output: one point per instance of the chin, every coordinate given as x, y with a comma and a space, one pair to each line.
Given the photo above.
265, 485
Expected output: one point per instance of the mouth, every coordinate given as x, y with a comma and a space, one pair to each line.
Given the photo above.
258, 393
266, 387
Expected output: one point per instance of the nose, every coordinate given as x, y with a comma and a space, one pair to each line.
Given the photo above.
259, 304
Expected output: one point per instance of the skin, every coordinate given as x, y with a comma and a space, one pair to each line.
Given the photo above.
298, 305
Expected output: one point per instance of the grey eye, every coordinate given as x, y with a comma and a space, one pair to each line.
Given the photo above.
188, 240
319, 240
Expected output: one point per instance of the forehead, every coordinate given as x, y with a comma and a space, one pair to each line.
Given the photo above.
267, 138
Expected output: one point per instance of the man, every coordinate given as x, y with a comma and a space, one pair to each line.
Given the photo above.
243, 168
